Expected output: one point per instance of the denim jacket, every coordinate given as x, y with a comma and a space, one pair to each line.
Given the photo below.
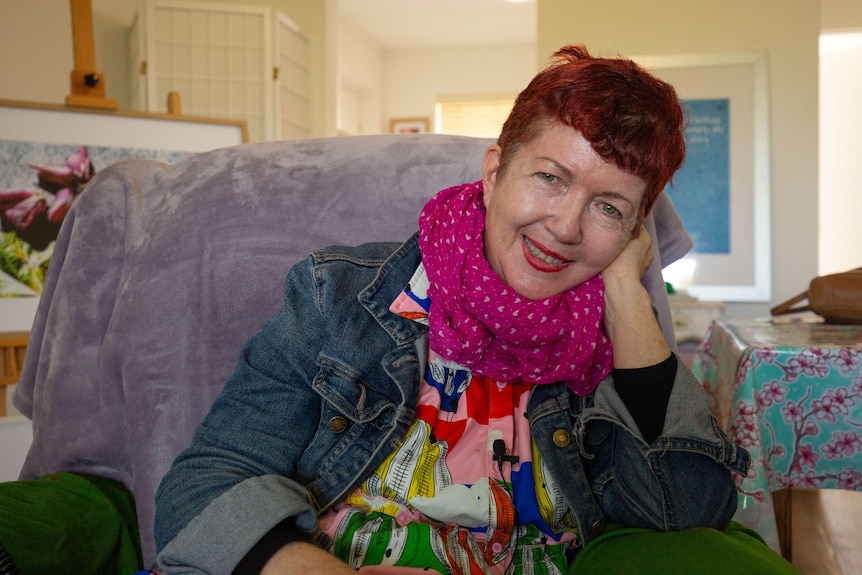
327, 389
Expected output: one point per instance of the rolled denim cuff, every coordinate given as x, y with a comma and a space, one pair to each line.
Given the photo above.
219, 537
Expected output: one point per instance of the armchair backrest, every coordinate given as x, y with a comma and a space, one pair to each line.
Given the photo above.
162, 272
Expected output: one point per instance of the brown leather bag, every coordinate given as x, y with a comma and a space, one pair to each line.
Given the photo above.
835, 297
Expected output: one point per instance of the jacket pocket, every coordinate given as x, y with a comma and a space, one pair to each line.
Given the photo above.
345, 390
355, 418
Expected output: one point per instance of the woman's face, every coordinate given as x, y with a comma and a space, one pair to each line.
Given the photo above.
558, 214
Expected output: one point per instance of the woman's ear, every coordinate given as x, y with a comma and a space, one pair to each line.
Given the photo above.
490, 170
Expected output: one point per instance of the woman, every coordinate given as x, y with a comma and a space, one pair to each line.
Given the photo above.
498, 413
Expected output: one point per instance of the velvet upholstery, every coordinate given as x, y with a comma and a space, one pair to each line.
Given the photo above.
162, 272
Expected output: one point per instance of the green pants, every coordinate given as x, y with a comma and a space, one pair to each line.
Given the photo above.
627, 551
66, 523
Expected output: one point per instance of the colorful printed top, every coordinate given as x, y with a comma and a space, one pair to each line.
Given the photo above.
466, 492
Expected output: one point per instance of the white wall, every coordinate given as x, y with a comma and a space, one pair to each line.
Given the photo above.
415, 77
840, 200
360, 83
377, 84
840, 237
16, 314
840, 14
36, 43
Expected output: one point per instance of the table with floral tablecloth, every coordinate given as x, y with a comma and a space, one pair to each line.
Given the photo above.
789, 391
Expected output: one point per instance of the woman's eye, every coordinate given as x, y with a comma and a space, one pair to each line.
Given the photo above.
609, 209
550, 178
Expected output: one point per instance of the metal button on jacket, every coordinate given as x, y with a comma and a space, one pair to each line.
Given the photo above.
337, 424
562, 438
597, 527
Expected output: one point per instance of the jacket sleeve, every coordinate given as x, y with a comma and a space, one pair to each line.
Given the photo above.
682, 479
233, 484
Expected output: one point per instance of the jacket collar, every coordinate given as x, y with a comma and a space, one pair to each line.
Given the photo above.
390, 280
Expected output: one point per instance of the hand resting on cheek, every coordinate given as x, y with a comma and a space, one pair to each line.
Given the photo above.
635, 259
629, 318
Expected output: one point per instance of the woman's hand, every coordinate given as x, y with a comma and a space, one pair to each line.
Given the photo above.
629, 319
635, 258
305, 558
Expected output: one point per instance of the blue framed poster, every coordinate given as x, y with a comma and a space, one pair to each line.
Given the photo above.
722, 190
700, 190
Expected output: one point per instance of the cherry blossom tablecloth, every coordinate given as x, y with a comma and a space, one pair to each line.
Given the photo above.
790, 391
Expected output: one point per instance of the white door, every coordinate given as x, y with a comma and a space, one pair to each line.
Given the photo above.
138, 60
292, 109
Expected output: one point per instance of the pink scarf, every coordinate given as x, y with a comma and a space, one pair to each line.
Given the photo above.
483, 324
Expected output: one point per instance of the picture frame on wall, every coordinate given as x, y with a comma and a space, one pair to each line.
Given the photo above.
409, 125
722, 191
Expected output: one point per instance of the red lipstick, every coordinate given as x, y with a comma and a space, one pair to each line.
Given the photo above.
533, 252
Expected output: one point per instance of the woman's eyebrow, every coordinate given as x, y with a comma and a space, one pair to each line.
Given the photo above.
568, 173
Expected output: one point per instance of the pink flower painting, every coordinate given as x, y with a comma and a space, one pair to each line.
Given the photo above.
30, 219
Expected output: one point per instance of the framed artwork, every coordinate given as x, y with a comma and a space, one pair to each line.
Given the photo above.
48, 153
722, 191
409, 125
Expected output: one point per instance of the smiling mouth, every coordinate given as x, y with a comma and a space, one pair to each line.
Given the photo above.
543, 256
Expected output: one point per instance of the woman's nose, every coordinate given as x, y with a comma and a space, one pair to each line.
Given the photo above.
565, 223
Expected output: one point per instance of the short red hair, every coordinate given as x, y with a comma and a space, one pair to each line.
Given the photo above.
628, 116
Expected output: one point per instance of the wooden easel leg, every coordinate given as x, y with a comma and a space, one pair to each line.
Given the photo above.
88, 85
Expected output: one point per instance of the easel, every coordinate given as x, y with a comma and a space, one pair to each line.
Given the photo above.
88, 85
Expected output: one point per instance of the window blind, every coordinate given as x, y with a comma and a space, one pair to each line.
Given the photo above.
482, 117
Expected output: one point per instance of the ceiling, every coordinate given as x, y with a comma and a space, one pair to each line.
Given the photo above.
417, 23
